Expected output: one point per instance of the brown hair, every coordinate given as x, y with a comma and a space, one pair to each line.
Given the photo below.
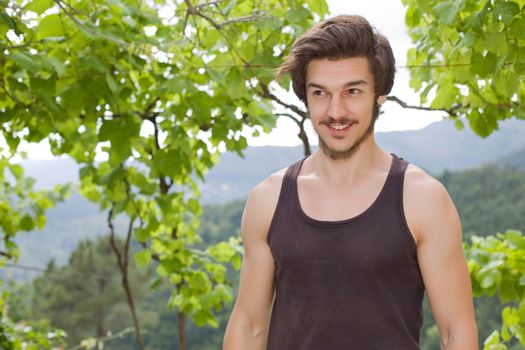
336, 38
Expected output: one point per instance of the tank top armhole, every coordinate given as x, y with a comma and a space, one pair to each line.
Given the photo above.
285, 185
401, 208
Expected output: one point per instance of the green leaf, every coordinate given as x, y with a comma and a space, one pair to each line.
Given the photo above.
481, 124
142, 234
91, 192
446, 11
24, 61
40, 221
477, 21
193, 205
142, 258
507, 84
507, 290
297, 15
235, 83
320, 7
496, 43
505, 11
27, 223
168, 162
17, 170
43, 86
73, 99
412, 16
121, 132
205, 316
515, 238
50, 26
58, 65
111, 83
236, 262
483, 65
518, 25
39, 6
458, 123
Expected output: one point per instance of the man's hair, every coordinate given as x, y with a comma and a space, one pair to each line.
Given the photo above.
337, 38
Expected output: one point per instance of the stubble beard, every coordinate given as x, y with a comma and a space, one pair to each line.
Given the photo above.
349, 152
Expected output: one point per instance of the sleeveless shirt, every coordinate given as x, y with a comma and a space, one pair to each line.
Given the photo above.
347, 284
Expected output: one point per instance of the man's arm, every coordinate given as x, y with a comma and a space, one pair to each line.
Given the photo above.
433, 219
249, 321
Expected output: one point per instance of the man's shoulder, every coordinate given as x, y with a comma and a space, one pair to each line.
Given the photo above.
269, 188
261, 205
426, 200
422, 184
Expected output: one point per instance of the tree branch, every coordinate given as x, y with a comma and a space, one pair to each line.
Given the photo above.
244, 19
13, 47
119, 42
194, 11
6, 254
112, 336
267, 94
451, 111
297, 121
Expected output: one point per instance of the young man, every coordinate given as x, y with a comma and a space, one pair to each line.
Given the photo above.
340, 246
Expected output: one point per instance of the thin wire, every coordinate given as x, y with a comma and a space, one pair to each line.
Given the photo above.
77, 274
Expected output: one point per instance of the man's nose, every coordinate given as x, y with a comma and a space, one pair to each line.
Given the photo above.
336, 108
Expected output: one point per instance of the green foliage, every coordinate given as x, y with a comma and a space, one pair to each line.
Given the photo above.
23, 336
496, 265
21, 207
468, 57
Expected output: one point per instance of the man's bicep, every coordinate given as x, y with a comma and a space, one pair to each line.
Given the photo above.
442, 263
255, 294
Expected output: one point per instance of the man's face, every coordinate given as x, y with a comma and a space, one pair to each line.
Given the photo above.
341, 103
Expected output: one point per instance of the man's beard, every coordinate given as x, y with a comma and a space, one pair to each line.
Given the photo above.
345, 154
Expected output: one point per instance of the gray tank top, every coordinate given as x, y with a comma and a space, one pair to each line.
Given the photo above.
348, 284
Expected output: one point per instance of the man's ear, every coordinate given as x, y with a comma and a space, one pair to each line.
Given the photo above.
381, 100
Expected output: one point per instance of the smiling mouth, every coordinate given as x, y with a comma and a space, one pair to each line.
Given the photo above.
339, 126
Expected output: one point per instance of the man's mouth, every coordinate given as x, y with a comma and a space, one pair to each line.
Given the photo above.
338, 126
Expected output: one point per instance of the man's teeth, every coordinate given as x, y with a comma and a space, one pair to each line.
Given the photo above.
339, 126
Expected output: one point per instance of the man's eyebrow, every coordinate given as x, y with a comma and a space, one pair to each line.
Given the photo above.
355, 82
345, 85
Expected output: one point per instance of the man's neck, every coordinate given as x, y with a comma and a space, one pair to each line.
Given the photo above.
368, 159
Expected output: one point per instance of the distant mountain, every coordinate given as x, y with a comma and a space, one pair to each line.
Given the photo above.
438, 147
515, 159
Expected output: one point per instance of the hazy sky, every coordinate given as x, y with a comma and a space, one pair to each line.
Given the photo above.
387, 16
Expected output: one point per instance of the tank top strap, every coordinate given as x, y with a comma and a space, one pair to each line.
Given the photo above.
399, 167
286, 195
398, 179
295, 168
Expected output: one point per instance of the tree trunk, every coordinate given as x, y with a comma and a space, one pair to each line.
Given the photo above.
182, 331
122, 260
304, 138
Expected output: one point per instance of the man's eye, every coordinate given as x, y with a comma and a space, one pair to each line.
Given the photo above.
318, 93
353, 91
